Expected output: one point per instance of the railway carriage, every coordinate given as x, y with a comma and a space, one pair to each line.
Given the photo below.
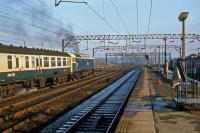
27, 67
84, 65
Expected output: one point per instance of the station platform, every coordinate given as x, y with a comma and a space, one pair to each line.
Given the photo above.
138, 116
150, 109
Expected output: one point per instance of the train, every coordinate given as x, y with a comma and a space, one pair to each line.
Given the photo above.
22, 67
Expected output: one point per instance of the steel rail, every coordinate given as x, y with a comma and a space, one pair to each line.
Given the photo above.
5, 127
121, 90
52, 94
17, 99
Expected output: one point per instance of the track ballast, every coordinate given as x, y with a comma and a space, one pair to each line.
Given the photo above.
101, 112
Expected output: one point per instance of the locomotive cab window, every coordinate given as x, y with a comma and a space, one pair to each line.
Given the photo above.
64, 62
9, 62
58, 61
27, 61
46, 61
17, 62
53, 62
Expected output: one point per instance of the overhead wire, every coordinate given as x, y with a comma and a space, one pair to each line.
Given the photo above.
194, 27
17, 11
17, 33
104, 9
150, 13
119, 16
21, 21
33, 25
26, 35
81, 30
137, 11
48, 15
103, 19
149, 22
27, 5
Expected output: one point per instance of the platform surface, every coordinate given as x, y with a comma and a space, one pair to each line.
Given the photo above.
150, 109
137, 116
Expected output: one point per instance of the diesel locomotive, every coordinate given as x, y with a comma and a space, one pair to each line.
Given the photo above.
29, 67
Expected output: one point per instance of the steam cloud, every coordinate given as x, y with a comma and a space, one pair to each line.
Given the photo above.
38, 25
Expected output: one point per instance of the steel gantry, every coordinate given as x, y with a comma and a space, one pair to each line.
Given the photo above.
140, 36
150, 54
136, 54
66, 41
138, 47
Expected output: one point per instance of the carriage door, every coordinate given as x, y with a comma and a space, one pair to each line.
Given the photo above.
37, 67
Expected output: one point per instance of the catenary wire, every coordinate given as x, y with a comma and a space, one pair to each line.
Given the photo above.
119, 16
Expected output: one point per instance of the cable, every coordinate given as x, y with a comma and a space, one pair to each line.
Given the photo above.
108, 24
41, 28
27, 15
78, 27
194, 27
9, 41
26, 35
119, 16
104, 9
39, 11
137, 14
17, 11
150, 17
148, 30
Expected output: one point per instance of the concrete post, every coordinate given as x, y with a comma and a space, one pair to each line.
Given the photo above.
182, 17
93, 52
183, 40
106, 58
63, 45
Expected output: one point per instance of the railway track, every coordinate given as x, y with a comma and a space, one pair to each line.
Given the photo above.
101, 112
31, 105
19, 100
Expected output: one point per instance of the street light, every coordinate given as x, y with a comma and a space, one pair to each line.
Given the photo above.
166, 63
182, 17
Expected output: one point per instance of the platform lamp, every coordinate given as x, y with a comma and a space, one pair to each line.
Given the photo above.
165, 55
182, 17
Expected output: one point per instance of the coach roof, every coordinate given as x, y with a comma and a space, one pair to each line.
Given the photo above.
30, 51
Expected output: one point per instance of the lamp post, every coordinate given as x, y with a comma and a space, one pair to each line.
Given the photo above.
182, 17
165, 55
159, 58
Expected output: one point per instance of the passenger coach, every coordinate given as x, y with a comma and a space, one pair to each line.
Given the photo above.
28, 67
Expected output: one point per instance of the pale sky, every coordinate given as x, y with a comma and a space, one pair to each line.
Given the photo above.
37, 22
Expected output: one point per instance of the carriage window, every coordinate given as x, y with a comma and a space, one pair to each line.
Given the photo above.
53, 62
68, 61
37, 62
33, 62
27, 61
17, 62
58, 61
9, 62
40, 62
64, 62
46, 61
